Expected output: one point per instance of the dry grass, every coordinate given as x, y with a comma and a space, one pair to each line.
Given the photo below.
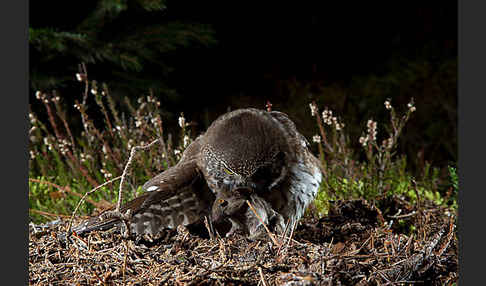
350, 246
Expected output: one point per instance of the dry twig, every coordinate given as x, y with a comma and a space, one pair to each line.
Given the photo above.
84, 197
270, 234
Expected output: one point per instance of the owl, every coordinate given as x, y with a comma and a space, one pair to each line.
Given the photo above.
246, 157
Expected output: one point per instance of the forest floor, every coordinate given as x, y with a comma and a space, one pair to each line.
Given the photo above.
355, 244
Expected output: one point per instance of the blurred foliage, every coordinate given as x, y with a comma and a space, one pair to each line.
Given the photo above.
129, 41
432, 136
454, 178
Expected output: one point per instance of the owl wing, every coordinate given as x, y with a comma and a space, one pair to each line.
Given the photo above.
179, 195
290, 127
298, 140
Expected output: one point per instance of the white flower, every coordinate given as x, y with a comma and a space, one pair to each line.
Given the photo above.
387, 104
370, 123
316, 139
372, 126
130, 143
80, 76
38, 94
388, 143
363, 140
182, 121
150, 98
187, 140
313, 109
32, 118
327, 115
106, 174
412, 109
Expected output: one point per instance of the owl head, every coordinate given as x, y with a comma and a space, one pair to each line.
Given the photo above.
230, 205
245, 149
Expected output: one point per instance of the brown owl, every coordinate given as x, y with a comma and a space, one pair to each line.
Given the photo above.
245, 155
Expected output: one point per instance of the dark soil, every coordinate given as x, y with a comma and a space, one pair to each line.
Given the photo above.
355, 244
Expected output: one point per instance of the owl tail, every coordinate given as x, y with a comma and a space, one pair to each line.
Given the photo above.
95, 223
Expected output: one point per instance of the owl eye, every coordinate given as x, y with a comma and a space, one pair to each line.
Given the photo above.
222, 203
227, 171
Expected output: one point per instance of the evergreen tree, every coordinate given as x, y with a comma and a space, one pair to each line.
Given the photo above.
128, 43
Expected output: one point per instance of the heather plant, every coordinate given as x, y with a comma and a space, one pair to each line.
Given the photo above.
69, 165
381, 173
454, 178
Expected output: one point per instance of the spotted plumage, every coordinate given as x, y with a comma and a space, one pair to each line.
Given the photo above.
245, 155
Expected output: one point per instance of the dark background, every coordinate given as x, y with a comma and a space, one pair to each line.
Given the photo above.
349, 56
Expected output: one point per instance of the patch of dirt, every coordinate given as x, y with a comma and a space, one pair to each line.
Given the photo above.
356, 244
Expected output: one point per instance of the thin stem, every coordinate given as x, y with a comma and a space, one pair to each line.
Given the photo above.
125, 171
84, 197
